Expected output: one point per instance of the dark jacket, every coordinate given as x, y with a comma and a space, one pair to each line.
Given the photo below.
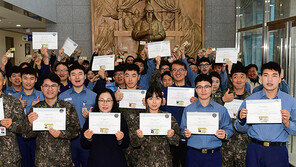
105, 150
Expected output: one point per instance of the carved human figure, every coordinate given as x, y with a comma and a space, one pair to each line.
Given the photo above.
148, 28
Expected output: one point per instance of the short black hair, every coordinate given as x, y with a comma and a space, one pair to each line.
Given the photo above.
165, 73
237, 68
271, 66
132, 67
24, 64
75, 67
151, 90
14, 69
55, 67
216, 64
178, 62
252, 65
203, 77
85, 62
215, 74
165, 63
204, 59
119, 67
29, 70
190, 64
131, 57
51, 76
139, 60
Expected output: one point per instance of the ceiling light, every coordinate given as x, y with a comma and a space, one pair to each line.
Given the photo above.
18, 25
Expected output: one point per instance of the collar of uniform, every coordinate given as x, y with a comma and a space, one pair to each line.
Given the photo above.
23, 93
186, 85
48, 106
73, 91
211, 103
263, 94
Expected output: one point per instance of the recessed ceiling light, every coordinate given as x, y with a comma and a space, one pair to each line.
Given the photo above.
18, 25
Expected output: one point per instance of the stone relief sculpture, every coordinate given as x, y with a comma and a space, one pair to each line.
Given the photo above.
148, 28
123, 23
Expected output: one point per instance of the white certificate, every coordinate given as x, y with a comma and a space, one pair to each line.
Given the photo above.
106, 62
162, 48
178, 96
203, 122
104, 123
69, 46
50, 118
45, 38
264, 111
225, 54
1, 109
155, 123
132, 99
233, 107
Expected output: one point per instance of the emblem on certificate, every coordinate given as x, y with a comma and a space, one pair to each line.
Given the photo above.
104, 130
263, 119
44, 45
155, 131
48, 126
2, 131
202, 130
180, 103
132, 105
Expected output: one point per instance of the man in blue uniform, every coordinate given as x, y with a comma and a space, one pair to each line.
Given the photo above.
84, 100
203, 149
268, 141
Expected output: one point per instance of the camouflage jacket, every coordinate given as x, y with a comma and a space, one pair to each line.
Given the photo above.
52, 151
217, 97
154, 150
129, 115
9, 150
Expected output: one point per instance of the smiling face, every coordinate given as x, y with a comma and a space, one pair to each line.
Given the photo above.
77, 78
90, 75
252, 73
15, 79
167, 81
28, 81
62, 72
178, 72
50, 89
238, 80
105, 102
215, 84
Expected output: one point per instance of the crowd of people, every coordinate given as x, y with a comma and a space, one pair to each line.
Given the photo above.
59, 81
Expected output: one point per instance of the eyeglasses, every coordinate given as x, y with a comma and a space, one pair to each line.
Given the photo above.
165, 69
204, 65
180, 70
50, 86
203, 87
62, 70
116, 75
108, 101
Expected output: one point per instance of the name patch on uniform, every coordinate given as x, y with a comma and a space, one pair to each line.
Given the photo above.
2, 131
68, 99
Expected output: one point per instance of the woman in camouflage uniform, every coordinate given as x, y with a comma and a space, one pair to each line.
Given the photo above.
154, 150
